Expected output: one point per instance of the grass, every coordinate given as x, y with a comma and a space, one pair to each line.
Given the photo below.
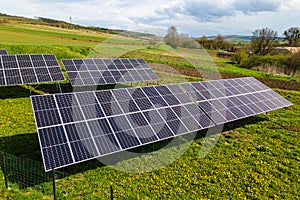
200, 59
254, 158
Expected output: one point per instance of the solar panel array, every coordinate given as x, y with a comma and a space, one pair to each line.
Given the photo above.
26, 69
3, 52
75, 127
232, 99
88, 72
79, 126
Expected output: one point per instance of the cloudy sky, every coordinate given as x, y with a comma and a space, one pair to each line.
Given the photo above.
194, 17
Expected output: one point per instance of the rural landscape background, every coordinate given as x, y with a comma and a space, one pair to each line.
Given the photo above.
255, 158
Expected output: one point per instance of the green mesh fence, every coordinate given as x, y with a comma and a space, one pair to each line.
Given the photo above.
24, 172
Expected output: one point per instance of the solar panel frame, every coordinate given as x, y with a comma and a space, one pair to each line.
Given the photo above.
109, 71
104, 126
240, 103
29, 69
142, 126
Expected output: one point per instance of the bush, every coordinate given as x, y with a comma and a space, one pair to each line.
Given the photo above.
293, 63
240, 57
268, 60
276, 64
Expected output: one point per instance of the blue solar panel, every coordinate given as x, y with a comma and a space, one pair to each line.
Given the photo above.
231, 99
27, 69
75, 127
96, 71
115, 119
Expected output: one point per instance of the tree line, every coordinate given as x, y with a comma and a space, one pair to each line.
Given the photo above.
263, 40
260, 49
263, 57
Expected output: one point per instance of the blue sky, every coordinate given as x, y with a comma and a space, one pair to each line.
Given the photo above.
193, 17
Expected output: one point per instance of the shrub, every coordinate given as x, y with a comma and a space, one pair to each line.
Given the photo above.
239, 57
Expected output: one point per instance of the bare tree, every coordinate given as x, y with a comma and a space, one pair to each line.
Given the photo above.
264, 41
172, 37
292, 35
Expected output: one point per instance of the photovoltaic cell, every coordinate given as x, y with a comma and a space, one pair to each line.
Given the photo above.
96, 71
232, 99
3, 52
27, 69
76, 127
86, 125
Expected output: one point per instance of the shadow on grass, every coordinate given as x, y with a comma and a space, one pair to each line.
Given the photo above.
21, 91
24, 160
12, 92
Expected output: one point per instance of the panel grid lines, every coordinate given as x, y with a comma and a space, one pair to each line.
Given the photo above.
92, 124
68, 141
28, 69
91, 136
230, 107
96, 71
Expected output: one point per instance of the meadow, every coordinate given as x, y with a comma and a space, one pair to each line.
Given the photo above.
253, 158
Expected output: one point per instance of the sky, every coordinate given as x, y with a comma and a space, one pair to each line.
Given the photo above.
192, 17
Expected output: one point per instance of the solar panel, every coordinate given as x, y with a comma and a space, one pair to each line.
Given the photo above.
96, 71
75, 127
232, 99
27, 69
3, 52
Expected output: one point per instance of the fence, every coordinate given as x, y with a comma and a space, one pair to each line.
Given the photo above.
24, 173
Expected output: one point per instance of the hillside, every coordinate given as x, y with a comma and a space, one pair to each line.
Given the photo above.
234, 38
41, 21
253, 158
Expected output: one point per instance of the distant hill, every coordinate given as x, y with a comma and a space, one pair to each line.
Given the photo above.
235, 38
4, 18
238, 38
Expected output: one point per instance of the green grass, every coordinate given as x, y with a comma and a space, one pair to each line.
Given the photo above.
254, 158
200, 59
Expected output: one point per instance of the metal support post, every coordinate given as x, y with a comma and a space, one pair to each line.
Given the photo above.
111, 193
54, 184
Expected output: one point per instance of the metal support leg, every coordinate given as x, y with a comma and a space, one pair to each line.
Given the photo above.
54, 184
111, 193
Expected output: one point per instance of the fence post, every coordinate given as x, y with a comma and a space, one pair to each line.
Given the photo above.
4, 169
54, 185
111, 193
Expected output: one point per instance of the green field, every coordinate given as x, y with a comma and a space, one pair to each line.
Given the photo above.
254, 158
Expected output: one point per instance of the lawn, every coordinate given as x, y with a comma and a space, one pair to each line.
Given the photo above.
253, 158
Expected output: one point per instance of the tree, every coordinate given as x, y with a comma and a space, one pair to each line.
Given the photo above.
206, 43
203, 41
186, 42
219, 42
240, 57
263, 41
292, 35
172, 37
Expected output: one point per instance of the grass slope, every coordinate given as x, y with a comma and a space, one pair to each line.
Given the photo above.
255, 158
